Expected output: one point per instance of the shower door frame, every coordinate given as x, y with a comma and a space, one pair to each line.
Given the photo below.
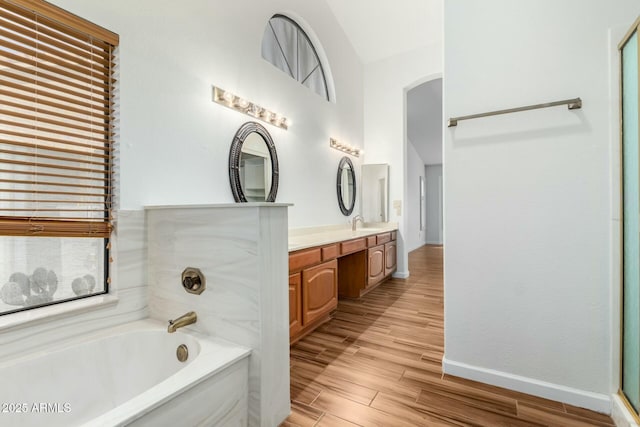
634, 29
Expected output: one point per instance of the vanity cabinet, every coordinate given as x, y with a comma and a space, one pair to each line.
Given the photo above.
295, 304
376, 265
313, 288
390, 257
319, 275
382, 261
319, 291
379, 263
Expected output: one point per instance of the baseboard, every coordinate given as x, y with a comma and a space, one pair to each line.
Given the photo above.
433, 242
620, 413
573, 396
401, 275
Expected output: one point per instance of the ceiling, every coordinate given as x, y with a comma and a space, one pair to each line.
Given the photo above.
424, 120
381, 29
385, 29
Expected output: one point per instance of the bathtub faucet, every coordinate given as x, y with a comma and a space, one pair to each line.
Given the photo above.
184, 320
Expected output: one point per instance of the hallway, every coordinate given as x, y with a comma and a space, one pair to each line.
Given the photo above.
378, 363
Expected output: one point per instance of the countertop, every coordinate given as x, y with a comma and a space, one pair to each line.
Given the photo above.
303, 238
221, 205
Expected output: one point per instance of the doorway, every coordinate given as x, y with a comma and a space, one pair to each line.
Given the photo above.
424, 127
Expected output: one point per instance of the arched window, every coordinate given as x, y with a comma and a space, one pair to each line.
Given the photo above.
287, 46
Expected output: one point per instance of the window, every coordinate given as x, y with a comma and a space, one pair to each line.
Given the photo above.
56, 155
287, 46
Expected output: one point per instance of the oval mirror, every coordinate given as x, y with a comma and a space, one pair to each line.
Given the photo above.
346, 186
253, 165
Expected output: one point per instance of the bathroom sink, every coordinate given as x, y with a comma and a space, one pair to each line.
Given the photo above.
366, 231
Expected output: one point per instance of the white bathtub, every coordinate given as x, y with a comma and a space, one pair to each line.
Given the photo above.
128, 375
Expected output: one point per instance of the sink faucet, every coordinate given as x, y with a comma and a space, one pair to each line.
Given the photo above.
354, 222
184, 320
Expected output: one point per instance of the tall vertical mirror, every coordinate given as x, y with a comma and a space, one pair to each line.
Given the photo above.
422, 201
375, 193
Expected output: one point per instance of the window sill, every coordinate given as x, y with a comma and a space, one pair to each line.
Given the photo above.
50, 313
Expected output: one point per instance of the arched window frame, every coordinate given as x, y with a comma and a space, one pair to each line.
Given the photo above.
316, 47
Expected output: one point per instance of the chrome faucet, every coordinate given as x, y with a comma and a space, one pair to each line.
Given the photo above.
354, 222
184, 320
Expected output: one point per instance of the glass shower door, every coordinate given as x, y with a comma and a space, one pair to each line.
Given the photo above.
630, 226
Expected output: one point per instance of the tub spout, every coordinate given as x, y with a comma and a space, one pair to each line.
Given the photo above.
184, 320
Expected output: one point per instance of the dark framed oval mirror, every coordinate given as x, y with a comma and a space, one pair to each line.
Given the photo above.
346, 184
253, 165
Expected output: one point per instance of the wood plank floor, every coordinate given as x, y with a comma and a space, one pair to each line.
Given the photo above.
378, 363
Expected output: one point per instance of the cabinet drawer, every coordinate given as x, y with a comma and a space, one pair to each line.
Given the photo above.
383, 238
353, 246
394, 235
330, 252
371, 241
306, 258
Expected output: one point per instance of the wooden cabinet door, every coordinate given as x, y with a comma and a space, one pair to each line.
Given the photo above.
390, 258
375, 265
319, 291
295, 304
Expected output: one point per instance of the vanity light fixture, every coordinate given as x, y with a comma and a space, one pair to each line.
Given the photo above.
346, 148
247, 107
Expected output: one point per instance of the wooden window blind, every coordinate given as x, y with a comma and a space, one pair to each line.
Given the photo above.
56, 122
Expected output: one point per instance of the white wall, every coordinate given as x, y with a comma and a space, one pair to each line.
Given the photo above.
175, 140
385, 86
527, 195
414, 236
434, 204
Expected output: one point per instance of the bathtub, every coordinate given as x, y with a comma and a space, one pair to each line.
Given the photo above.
127, 375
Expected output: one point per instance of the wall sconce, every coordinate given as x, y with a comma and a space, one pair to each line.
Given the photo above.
242, 105
346, 148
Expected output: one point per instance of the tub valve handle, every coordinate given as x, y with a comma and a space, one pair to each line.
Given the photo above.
193, 280
192, 283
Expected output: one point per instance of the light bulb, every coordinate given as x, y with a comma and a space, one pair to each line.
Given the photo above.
282, 122
254, 110
219, 94
241, 103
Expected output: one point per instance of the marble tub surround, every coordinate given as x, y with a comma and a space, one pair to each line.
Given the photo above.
37, 329
129, 250
242, 251
307, 237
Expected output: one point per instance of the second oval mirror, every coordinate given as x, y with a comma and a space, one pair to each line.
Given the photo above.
346, 186
253, 165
